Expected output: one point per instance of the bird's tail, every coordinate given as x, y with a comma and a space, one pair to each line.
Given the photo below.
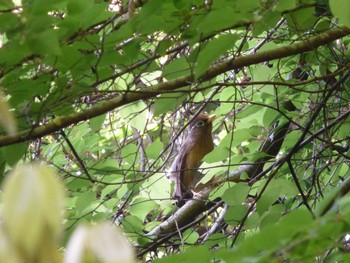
181, 194
178, 189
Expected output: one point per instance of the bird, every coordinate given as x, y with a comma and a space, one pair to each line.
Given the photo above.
184, 169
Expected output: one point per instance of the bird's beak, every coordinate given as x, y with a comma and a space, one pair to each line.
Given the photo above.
211, 118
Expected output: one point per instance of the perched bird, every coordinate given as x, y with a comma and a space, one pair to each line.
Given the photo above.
184, 169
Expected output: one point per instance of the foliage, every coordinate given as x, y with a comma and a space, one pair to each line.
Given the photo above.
103, 92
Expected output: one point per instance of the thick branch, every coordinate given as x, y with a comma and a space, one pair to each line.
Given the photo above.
182, 217
150, 92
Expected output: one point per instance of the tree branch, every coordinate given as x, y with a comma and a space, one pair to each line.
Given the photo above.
152, 91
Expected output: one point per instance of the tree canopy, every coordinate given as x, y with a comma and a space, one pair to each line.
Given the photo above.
103, 93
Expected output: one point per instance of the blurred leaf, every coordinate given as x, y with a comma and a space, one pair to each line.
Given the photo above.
194, 254
97, 122
44, 43
340, 9
252, 221
132, 224
6, 4
85, 201
269, 219
285, 5
14, 152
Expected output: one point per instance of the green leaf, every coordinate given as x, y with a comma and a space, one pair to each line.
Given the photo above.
193, 254
109, 189
26, 89
135, 114
285, 5
167, 102
190, 236
45, 43
219, 153
300, 20
297, 219
13, 153
8, 20
218, 19
106, 165
247, 6
141, 207
270, 116
151, 78
40, 7
85, 202
210, 170
156, 187
97, 122
70, 58
235, 214
269, 219
252, 221
290, 140
211, 51
340, 9
77, 184
6, 4
216, 239
154, 149
129, 153
223, 150
176, 68
276, 188
132, 224
236, 194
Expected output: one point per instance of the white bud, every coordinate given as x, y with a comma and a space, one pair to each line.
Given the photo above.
33, 202
102, 243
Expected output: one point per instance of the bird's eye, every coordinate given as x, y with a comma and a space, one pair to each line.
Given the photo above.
200, 124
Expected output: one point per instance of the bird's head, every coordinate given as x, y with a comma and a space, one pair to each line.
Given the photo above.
202, 125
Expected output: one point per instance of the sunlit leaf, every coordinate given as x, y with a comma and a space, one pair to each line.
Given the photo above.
339, 9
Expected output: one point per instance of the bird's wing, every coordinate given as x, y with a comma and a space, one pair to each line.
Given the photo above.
177, 172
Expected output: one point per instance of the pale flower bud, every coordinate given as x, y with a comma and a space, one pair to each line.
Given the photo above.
102, 243
33, 202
